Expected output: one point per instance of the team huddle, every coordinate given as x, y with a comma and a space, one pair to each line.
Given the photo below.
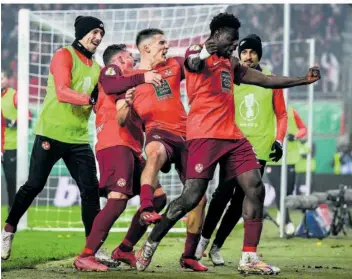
140, 107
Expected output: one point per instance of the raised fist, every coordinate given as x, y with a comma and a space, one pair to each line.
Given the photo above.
313, 74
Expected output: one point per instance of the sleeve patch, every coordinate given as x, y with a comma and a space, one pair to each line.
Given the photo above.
195, 48
110, 71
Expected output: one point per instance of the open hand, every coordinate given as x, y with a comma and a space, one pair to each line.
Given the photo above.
153, 77
211, 46
129, 97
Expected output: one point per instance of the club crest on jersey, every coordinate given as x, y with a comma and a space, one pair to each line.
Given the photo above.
199, 168
156, 137
121, 182
167, 73
194, 48
110, 71
45, 145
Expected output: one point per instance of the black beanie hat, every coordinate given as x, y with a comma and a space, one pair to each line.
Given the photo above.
252, 41
85, 24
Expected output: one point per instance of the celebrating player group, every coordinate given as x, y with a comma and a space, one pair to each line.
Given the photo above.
131, 101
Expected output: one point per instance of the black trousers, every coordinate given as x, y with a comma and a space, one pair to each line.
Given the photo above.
80, 161
9, 165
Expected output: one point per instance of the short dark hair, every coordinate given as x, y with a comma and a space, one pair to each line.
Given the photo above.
224, 20
146, 34
111, 50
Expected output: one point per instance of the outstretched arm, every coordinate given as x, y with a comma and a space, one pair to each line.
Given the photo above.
255, 77
114, 81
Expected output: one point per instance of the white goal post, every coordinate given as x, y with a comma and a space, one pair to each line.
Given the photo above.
40, 34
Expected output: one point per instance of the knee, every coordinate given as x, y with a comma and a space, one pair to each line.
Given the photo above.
181, 206
154, 157
256, 190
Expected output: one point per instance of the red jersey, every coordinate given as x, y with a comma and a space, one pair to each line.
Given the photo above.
211, 99
109, 132
161, 107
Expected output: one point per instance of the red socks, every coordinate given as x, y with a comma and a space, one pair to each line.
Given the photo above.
136, 231
252, 233
191, 244
9, 228
147, 192
102, 225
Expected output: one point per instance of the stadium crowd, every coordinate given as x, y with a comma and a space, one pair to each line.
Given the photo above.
325, 25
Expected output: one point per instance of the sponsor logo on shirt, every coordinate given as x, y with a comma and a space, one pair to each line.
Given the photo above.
164, 91
226, 81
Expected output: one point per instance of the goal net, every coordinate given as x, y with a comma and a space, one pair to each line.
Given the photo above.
41, 33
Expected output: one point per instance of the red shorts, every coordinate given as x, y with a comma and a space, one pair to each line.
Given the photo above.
176, 150
120, 170
234, 156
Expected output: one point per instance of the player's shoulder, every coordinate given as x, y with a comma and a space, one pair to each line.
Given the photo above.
63, 53
176, 60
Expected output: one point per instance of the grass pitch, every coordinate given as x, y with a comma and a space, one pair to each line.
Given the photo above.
39, 254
